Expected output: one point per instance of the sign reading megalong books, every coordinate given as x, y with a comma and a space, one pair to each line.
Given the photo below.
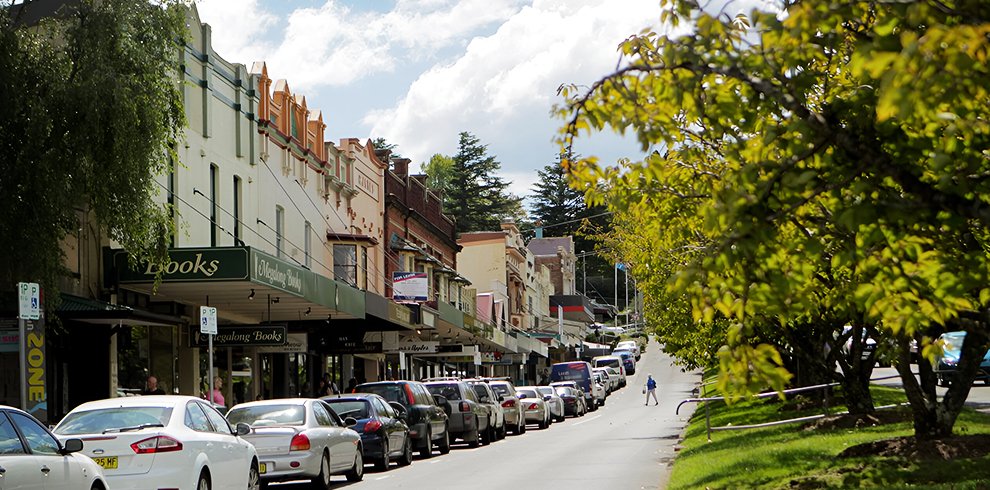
409, 286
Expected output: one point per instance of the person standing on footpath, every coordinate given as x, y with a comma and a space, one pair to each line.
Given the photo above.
152, 387
651, 390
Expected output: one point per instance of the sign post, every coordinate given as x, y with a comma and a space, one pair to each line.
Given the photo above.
32, 350
208, 325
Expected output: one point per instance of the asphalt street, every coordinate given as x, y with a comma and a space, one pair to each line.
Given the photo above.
625, 444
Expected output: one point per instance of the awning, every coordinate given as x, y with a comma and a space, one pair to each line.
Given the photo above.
80, 309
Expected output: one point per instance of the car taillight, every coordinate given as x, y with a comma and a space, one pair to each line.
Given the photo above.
533, 406
465, 407
510, 403
409, 394
372, 426
157, 444
299, 443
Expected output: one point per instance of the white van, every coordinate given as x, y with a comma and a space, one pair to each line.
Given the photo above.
613, 362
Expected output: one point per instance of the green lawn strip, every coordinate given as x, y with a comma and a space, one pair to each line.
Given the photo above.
788, 456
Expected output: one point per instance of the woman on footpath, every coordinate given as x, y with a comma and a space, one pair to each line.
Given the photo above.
651, 390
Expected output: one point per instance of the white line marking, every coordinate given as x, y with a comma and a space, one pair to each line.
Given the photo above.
383, 477
589, 420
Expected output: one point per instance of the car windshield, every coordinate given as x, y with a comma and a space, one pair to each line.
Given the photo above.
561, 390
446, 390
545, 390
268, 415
569, 372
113, 419
349, 408
501, 389
529, 393
390, 392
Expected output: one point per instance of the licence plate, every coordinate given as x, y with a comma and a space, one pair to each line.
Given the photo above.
107, 462
262, 468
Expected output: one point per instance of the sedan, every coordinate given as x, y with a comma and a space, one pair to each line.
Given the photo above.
554, 401
174, 441
300, 438
382, 425
573, 400
32, 457
535, 408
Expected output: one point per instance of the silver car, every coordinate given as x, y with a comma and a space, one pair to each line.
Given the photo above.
493, 400
536, 409
515, 417
554, 401
300, 438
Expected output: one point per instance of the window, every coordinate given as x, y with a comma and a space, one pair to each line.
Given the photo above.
38, 439
279, 230
238, 241
308, 245
214, 191
10, 443
322, 416
196, 419
220, 425
345, 263
364, 267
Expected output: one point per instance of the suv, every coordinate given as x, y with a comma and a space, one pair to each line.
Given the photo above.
493, 401
468, 417
427, 420
515, 418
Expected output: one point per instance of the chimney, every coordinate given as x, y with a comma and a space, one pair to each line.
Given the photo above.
400, 166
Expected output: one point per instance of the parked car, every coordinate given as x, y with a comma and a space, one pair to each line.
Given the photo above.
610, 381
611, 361
467, 417
427, 418
300, 438
515, 416
535, 408
381, 424
32, 457
554, 401
172, 440
951, 343
580, 373
573, 400
628, 360
600, 387
488, 397
631, 345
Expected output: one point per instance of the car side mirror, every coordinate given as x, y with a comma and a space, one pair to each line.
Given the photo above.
484, 399
440, 399
522, 395
72, 445
350, 421
400, 410
242, 429
547, 398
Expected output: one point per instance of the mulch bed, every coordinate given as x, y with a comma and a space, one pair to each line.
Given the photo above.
958, 446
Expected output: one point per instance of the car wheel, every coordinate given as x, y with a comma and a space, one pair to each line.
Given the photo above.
323, 479
522, 425
407, 453
254, 479
356, 472
204, 481
561, 418
473, 443
381, 464
444, 446
543, 424
426, 450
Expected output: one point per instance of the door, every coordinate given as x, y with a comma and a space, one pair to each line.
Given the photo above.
56, 471
18, 468
231, 458
342, 450
392, 428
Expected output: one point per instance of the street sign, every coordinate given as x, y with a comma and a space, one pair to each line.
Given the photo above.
208, 320
30, 300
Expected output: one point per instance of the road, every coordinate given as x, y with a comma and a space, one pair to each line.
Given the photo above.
979, 394
623, 445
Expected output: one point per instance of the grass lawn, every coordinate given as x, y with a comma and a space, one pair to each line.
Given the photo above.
792, 457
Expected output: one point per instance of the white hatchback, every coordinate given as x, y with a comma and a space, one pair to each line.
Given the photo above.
163, 441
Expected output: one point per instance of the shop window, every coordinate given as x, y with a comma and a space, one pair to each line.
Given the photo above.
345, 263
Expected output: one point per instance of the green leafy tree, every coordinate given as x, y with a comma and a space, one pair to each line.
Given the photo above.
381, 144
838, 145
91, 111
439, 173
477, 199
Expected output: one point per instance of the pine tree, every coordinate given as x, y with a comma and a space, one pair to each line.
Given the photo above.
477, 197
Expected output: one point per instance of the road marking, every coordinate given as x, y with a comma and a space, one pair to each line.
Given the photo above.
383, 477
589, 420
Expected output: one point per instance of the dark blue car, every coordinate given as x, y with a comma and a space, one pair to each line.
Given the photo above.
951, 350
628, 360
382, 425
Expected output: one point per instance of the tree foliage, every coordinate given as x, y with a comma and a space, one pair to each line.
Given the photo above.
826, 166
478, 197
439, 173
91, 111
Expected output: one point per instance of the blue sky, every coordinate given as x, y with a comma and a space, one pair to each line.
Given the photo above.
418, 72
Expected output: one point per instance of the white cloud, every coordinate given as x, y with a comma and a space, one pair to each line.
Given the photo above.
239, 27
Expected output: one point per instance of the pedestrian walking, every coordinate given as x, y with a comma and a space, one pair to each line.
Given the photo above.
651, 390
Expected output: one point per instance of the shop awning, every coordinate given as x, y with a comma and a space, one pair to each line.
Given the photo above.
86, 310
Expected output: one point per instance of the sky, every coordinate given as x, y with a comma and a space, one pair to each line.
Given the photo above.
419, 72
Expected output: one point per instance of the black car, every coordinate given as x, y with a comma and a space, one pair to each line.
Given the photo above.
427, 419
383, 429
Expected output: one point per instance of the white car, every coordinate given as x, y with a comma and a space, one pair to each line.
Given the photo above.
630, 345
173, 441
31, 457
300, 438
555, 402
535, 408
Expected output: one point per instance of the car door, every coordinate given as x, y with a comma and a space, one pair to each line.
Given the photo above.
18, 468
438, 418
342, 449
234, 461
55, 471
389, 418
